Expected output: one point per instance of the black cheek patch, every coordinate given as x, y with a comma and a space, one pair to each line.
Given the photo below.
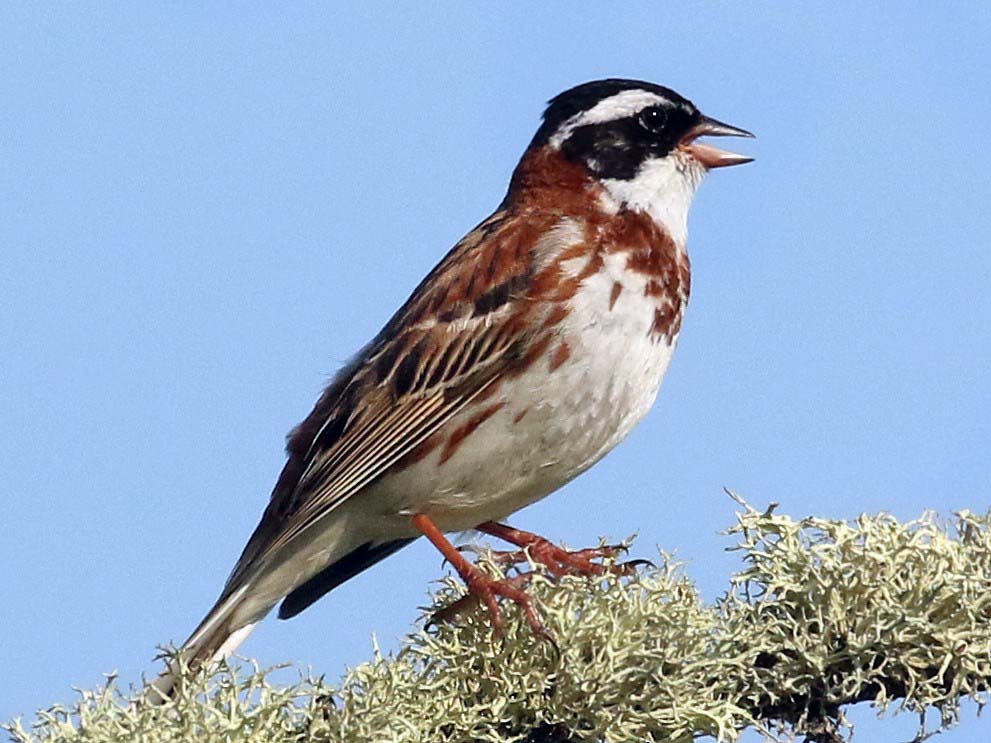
605, 149
617, 149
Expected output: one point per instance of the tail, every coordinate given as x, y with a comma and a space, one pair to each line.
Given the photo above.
220, 633
240, 608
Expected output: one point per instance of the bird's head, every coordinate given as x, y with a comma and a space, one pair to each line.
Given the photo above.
640, 141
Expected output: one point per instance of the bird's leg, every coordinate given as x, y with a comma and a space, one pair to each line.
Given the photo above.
558, 560
480, 586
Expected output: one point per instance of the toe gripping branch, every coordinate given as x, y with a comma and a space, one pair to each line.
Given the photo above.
558, 561
480, 586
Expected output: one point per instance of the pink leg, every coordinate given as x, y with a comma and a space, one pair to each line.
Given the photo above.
480, 586
558, 560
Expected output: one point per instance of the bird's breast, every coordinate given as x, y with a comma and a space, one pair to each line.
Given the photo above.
595, 380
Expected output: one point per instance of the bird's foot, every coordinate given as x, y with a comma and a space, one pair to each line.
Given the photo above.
481, 587
558, 560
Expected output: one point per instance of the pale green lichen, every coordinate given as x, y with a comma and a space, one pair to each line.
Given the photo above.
824, 614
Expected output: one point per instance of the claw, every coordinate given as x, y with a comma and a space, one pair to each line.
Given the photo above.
481, 588
507, 557
558, 561
452, 611
545, 635
532, 548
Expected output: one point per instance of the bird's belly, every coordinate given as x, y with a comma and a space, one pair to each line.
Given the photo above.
544, 426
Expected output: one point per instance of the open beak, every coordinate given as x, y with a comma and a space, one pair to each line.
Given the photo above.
709, 156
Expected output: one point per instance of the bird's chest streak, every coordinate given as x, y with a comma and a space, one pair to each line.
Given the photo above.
596, 380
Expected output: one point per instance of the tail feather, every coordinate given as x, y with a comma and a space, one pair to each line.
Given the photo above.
238, 610
217, 637
336, 573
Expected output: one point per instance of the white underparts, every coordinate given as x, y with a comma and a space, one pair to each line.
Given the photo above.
233, 642
557, 417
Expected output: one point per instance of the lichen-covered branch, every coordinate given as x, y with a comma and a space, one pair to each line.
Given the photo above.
823, 614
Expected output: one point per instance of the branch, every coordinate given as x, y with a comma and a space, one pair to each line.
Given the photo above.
824, 614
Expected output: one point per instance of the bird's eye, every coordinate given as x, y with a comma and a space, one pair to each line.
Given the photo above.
653, 119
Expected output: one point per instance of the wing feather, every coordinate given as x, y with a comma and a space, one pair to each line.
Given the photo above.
449, 343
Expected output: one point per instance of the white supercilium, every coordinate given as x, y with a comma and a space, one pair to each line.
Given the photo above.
619, 106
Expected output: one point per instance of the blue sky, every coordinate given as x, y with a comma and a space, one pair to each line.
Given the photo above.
205, 211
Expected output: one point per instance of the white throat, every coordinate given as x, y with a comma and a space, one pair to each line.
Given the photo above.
663, 188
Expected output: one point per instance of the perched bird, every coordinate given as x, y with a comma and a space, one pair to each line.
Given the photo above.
531, 350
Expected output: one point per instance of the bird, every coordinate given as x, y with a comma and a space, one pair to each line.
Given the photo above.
530, 350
